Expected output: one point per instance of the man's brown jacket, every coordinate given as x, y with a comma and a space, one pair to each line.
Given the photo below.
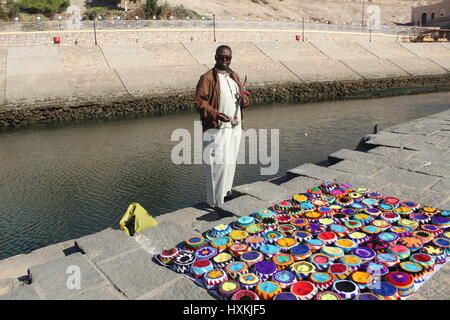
207, 98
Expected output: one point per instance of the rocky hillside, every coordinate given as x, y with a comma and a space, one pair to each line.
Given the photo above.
340, 11
331, 11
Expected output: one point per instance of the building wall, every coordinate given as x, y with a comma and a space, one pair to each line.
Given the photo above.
436, 14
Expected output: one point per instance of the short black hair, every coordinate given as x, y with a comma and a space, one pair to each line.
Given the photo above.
222, 47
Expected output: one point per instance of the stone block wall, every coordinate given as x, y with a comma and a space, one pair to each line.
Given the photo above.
86, 37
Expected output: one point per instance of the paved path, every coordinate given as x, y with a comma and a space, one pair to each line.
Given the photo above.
410, 161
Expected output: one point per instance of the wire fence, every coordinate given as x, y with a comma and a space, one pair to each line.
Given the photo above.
192, 24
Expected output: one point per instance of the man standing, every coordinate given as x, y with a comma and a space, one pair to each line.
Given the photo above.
219, 98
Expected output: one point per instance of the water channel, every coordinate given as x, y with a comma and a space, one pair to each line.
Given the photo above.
60, 182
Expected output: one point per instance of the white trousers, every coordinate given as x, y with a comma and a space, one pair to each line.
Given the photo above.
220, 152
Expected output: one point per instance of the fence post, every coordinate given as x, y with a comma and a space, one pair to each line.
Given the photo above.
362, 15
303, 31
214, 26
95, 33
17, 24
39, 25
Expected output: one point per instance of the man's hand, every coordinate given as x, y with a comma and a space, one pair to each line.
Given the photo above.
223, 117
245, 100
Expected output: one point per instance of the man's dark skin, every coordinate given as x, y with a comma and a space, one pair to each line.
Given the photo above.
223, 60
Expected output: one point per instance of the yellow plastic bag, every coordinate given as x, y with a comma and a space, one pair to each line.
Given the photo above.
136, 219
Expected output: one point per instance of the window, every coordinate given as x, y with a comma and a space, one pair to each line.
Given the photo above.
424, 19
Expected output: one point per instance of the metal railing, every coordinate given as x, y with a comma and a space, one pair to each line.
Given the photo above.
192, 24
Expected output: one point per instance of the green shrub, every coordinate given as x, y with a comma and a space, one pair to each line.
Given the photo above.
97, 11
152, 8
165, 11
180, 12
9, 11
112, 3
46, 7
105, 12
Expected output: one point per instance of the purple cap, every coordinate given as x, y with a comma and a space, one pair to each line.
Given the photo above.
348, 211
250, 255
440, 221
364, 253
375, 195
316, 228
373, 210
266, 267
366, 296
285, 296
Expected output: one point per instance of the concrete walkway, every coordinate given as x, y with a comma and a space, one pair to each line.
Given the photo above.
410, 161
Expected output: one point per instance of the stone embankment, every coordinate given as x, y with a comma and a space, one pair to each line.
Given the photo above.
409, 161
42, 84
179, 33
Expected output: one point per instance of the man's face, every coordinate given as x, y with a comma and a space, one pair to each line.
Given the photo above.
223, 59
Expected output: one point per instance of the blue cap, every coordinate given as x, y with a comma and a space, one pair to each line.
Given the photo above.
384, 289
300, 249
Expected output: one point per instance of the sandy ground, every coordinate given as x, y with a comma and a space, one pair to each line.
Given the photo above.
335, 11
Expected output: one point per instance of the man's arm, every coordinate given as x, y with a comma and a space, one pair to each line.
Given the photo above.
202, 102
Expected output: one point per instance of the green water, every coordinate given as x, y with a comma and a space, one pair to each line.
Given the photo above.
62, 182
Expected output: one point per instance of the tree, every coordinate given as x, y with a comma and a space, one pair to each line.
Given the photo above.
109, 4
46, 7
115, 2
153, 8
9, 9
